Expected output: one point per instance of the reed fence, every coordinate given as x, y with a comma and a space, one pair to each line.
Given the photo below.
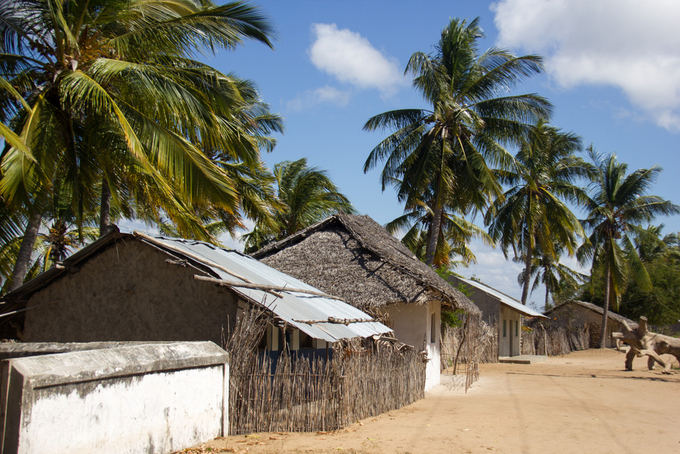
294, 393
464, 347
552, 338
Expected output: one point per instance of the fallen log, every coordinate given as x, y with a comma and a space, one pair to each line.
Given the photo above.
643, 342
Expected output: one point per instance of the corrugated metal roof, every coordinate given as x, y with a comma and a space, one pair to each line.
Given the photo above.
292, 307
502, 297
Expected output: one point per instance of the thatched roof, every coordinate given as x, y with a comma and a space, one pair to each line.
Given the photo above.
356, 259
595, 308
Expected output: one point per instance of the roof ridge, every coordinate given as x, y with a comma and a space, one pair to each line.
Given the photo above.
279, 245
384, 247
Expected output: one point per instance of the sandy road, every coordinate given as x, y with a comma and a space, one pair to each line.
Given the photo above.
582, 403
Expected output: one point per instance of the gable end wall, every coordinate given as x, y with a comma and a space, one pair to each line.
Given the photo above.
128, 292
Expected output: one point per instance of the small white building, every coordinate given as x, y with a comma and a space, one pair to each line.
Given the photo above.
356, 259
500, 310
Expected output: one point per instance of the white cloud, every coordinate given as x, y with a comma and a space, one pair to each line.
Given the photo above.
325, 94
630, 44
351, 58
493, 269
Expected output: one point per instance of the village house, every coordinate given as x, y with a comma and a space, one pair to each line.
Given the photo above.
590, 316
499, 310
135, 287
356, 259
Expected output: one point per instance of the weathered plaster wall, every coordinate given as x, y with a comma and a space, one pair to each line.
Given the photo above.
140, 399
486, 303
412, 325
129, 293
509, 341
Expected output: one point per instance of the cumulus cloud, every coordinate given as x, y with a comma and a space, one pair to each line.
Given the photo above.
630, 44
321, 95
351, 58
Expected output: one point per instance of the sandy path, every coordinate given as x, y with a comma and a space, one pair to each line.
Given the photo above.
567, 404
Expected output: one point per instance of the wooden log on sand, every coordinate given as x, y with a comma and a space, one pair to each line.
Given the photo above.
643, 342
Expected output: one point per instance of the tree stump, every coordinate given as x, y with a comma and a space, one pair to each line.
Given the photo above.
643, 342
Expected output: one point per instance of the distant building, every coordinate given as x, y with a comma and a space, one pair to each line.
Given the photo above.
590, 315
500, 310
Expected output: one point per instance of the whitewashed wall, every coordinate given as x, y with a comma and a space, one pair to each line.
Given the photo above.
412, 325
140, 399
509, 340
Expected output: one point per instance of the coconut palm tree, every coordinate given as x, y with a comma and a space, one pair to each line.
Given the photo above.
533, 214
455, 233
450, 146
305, 195
618, 203
555, 276
107, 100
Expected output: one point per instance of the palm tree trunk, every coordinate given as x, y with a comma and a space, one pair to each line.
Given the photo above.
433, 237
605, 311
25, 250
547, 295
105, 209
528, 253
527, 274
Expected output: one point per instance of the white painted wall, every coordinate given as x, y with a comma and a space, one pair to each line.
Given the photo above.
513, 321
412, 325
147, 398
161, 412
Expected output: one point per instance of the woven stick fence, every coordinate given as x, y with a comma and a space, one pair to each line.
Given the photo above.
464, 347
292, 393
548, 337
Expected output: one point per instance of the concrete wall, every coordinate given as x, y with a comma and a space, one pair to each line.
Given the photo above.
129, 293
489, 305
153, 398
412, 325
510, 338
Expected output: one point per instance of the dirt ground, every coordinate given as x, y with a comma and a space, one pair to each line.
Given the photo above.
583, 402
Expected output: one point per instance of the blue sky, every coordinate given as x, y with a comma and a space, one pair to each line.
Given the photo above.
612, 73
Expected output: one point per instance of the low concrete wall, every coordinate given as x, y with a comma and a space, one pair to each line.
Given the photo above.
10, 350
150, 398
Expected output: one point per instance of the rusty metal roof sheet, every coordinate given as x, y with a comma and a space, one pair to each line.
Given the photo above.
305, 311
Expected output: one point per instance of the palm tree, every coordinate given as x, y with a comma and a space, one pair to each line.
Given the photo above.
51, 247
455, 233
449, 147
305, 195
533, 215
619, 203
105, 99
546, 269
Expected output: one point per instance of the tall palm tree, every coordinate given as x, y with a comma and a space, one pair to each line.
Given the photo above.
450, 146
533, 214
454, 237
619, 203
107, 100
305, 195
555, 276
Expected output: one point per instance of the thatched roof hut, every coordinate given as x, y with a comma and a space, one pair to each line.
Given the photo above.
355, 258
